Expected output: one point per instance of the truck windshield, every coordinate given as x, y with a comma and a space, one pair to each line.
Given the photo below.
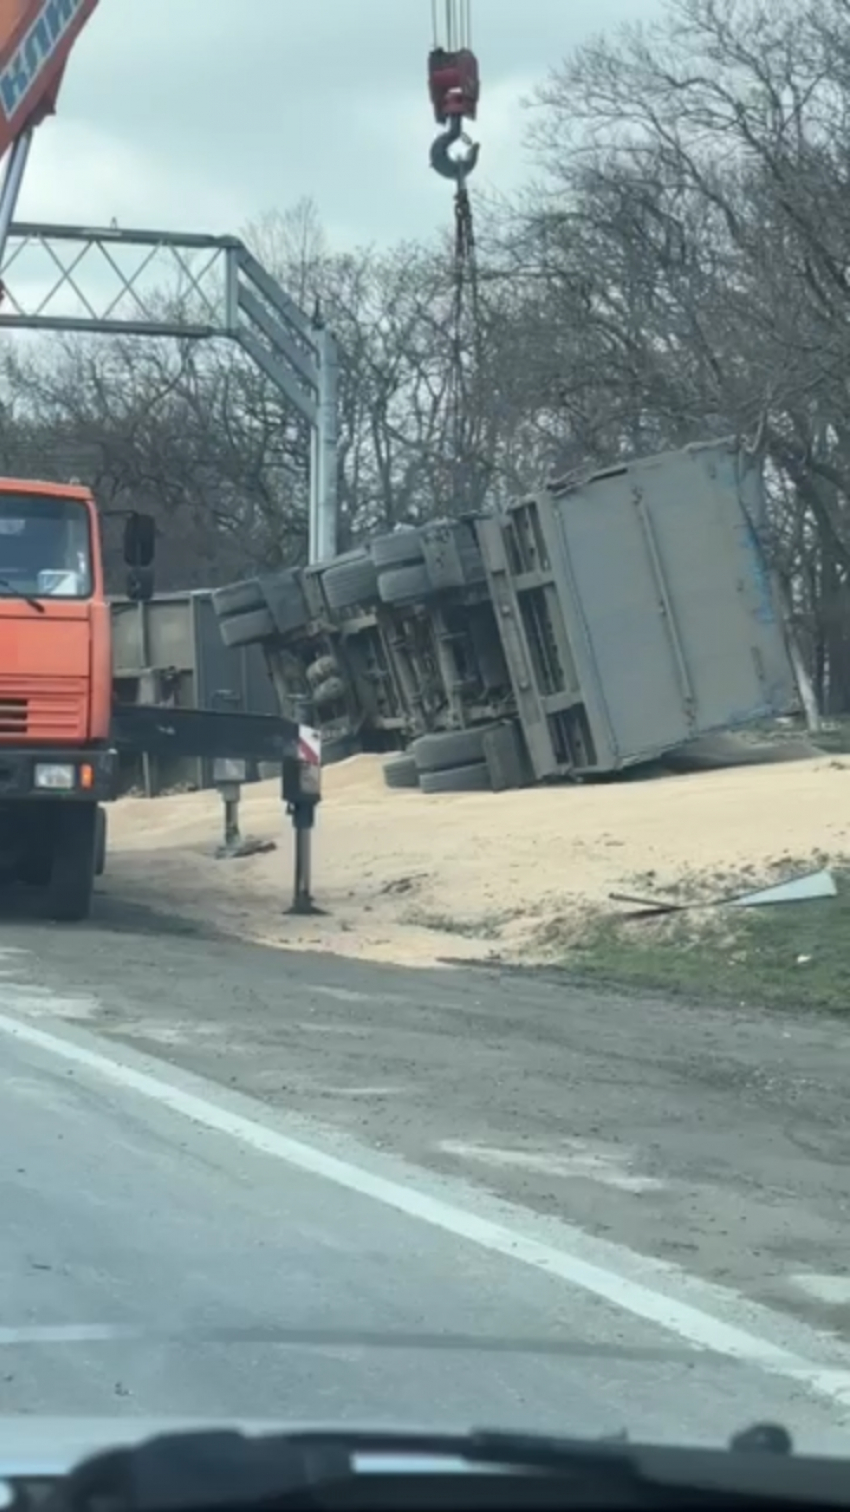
45, 547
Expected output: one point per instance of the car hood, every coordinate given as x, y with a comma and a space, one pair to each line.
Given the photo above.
51, 1446
48, 1446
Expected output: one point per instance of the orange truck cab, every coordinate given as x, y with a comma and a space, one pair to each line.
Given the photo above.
57, 764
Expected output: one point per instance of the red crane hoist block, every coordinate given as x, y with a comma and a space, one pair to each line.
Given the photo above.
454, 84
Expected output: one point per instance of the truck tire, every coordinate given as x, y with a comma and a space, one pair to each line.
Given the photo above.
450, 748
463, 779
401, 772
100, 830
504, 753
278, 593
321, 669
246, 629
283, 596
401, 548
69, 890
405, 585
351, 582
238, 598
332, 690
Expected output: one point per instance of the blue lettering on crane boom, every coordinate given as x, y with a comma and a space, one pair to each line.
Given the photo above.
37, 50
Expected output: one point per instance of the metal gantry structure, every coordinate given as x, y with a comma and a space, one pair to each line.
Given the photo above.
110, 281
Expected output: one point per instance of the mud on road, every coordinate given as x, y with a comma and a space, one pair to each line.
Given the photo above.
715, 1139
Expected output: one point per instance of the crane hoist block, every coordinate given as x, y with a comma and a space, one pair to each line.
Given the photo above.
454, 84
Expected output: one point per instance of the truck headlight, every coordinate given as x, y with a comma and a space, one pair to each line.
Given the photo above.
56, 777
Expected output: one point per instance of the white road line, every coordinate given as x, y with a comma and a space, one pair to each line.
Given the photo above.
695, 1326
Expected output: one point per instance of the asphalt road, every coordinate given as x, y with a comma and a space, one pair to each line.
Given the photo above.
242, 1183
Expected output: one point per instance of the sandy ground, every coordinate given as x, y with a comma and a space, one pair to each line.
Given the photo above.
416, 880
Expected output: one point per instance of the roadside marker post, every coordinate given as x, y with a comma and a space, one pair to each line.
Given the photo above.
302, 793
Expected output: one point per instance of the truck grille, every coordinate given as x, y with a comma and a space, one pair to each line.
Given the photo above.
13, 716
47, 710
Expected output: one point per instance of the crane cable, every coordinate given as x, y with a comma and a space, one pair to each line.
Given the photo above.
457, 30
465, 344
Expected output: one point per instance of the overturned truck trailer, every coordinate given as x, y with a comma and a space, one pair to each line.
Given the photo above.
593, 625
637, 609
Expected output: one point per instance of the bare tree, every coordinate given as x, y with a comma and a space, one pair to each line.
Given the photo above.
689, 246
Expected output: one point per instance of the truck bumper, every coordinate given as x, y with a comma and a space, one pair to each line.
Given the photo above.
75, 776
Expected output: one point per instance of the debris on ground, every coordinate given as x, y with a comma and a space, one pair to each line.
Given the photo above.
239, 849
416, 880
809, 888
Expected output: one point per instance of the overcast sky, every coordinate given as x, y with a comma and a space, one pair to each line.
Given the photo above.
200, 115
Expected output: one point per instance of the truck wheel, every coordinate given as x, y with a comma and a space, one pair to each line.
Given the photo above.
404, 585
450, 748
401, 772
332, 690
69, 891
352, 580
321, 669
238, 598
464, 779
506, 757
100, 842
399, 549
284, 596
246, 629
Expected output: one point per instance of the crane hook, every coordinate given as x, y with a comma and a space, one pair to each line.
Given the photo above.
457, 168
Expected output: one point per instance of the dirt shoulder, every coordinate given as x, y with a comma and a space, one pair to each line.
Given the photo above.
515, 876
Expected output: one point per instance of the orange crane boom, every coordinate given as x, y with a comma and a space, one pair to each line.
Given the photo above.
36, 37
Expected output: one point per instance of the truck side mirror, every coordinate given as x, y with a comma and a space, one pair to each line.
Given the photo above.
140, 584
139, 540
